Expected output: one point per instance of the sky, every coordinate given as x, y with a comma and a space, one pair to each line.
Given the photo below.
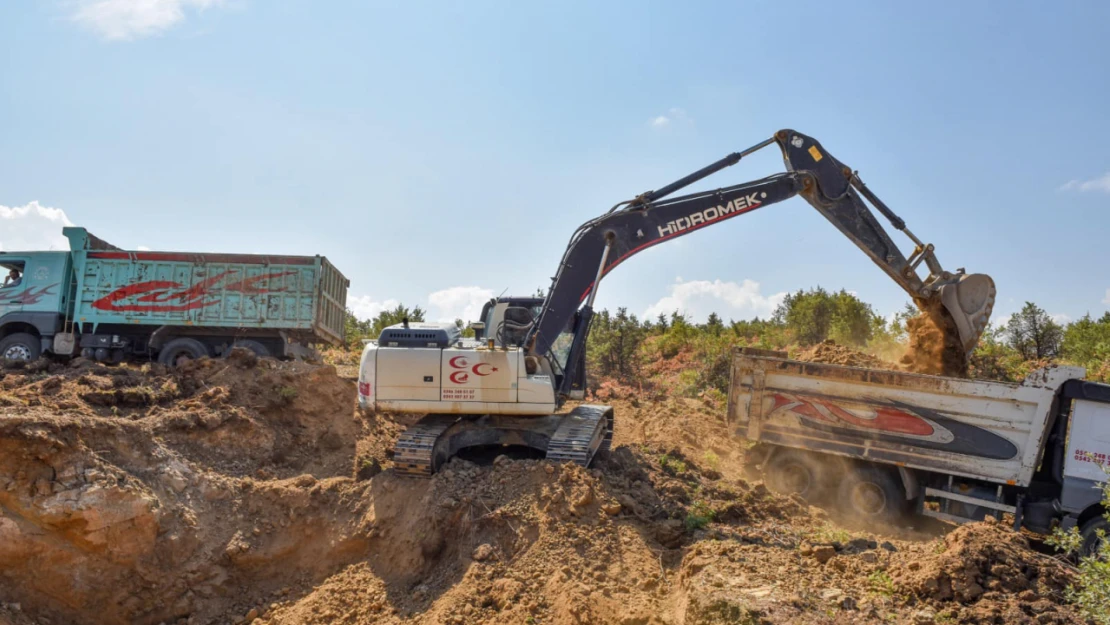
443, 153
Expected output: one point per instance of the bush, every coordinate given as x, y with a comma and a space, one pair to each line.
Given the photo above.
698, 516
817, 315
1033, 333
613, 349
1086, 342
1091, 590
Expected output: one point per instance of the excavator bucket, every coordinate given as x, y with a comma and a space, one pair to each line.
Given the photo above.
969, 299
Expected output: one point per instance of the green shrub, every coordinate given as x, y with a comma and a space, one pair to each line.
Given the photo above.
1091, 590
672, 466
698, 516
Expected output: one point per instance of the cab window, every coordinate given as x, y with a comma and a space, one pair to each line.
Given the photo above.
11, 274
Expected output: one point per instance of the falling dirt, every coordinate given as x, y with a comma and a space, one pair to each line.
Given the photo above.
934, 344
245, 490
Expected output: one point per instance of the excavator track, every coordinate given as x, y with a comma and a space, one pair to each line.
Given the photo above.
575, 437
412, 455
581, 434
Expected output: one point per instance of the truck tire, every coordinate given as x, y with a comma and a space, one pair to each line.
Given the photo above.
258, 348
20, 346
1089, 532
796, 472
179, 351
871, 494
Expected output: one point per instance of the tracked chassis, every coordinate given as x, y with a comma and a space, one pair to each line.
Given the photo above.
575, 437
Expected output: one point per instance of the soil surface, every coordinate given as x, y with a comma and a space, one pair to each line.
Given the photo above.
246, 490
829, 352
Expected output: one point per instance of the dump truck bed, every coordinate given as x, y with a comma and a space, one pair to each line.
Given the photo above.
986, 430
304, 296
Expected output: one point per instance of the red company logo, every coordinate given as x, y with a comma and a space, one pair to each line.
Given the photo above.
167, 296
884, 419
462, 376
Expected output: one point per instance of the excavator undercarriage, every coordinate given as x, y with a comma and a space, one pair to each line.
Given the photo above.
575, 437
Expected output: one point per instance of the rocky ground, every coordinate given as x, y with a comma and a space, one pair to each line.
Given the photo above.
242, 490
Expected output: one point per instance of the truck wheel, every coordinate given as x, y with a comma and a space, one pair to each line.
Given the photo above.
180, 351
1092, 542
258, 348
791, 472
871, 494
20, 346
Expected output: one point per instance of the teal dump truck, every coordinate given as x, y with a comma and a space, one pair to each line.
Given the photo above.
109, 304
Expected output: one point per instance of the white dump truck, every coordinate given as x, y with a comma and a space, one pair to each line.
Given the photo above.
884, 444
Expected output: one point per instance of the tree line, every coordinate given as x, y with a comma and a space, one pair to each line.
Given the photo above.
620, 344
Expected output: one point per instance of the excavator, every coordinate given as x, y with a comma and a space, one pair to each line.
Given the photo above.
506, 386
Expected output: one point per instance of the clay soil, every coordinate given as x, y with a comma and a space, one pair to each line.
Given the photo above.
240, 490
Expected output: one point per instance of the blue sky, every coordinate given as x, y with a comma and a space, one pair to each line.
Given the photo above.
438, 153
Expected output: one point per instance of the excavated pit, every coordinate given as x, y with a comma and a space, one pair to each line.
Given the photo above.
252, 491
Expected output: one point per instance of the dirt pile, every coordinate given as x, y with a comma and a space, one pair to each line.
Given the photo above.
984, 573
136, 495
830, 353
530, 541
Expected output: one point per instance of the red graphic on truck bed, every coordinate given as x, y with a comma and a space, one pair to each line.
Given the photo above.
32, 295
883, 418
169, 296
889, 425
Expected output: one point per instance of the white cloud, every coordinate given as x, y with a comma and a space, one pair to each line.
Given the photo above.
121, 20
458, 302
1106, 300
672, 116
32, 227
1001, 322
698, 298
1102, 183
1061, 318
142, 248
366, 307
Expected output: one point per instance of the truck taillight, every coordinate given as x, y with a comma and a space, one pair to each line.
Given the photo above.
364, 388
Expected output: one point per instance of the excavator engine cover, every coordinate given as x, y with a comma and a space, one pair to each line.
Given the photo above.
969, 299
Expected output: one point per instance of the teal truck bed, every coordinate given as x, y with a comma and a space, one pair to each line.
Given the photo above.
107, 303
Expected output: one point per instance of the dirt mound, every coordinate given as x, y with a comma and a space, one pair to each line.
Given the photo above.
531, 541
140, 495
828, 352
985, 573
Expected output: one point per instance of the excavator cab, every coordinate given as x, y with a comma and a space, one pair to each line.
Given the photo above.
507, 320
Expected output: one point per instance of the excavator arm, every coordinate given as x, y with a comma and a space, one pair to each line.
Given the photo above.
836, 191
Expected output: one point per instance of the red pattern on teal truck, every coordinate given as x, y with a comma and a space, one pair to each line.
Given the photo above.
32, 295
168, 296
95, 285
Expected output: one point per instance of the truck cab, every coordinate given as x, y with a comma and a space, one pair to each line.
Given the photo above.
33, 300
